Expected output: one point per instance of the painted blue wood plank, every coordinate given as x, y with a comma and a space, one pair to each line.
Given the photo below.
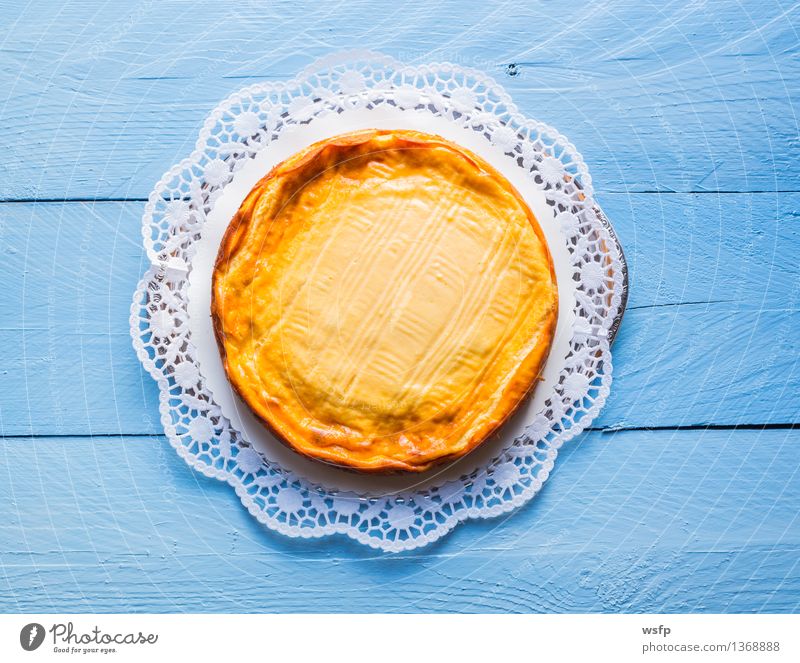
742, 369
98, 103
70, 270
636, 521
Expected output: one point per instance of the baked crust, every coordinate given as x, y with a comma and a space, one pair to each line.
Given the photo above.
383, 301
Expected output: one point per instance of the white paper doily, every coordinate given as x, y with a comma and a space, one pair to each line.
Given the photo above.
189, 209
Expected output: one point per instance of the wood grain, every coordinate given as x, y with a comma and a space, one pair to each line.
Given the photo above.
71, 268
636, 521
99, 102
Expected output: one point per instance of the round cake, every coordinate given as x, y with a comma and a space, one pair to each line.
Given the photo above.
384, 300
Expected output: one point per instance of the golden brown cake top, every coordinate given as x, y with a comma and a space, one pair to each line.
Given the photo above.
384, 300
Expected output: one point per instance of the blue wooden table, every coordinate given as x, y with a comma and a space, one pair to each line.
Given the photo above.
685, 494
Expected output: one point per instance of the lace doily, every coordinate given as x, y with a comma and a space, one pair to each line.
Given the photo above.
248, 122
